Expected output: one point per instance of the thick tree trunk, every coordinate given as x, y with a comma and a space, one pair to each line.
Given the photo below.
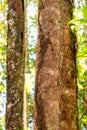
55, 90
15, 66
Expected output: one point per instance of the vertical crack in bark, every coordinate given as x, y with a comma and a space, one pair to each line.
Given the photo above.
22, 35
23, 5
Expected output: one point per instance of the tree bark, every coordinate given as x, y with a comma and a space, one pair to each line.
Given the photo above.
15, 66
55, 86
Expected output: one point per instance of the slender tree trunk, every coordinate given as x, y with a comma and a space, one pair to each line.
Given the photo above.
15, 67
56, 87
25, 103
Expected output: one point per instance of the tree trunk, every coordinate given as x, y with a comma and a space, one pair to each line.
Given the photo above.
56, 87
15, 66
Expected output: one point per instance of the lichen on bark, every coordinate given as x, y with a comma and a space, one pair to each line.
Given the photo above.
15, 66
55, 85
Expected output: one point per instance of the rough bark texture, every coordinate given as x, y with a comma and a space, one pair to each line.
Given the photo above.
55, 90
15, 66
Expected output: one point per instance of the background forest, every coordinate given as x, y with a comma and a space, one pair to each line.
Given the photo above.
78, 26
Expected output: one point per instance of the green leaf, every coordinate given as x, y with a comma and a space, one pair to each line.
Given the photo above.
84, 11
84, 119
2, 88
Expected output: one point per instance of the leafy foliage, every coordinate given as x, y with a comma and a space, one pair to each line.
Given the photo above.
3, 44
79, 24
32, 23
